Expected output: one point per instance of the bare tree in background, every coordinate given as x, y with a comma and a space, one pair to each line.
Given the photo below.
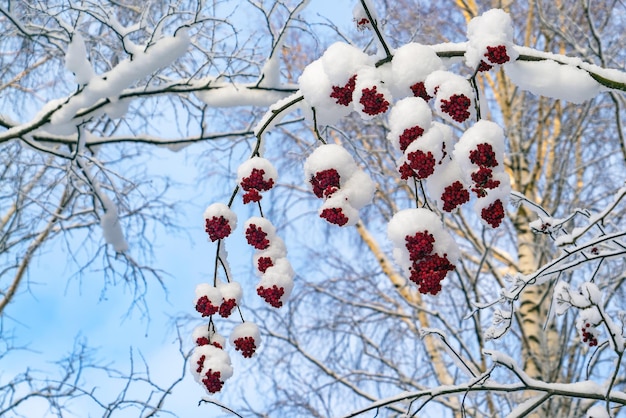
357, 335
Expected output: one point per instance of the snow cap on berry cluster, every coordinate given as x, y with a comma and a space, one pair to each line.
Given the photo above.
454, 97
266, 258
341, 61
448, 188
371, 96
490, 38
211, 367
246, 338
586, 324
408, 222
231, 297
276, 283
335, 176
408, 120
220, 221
259, 232
421, 157
208, 299
256, 175
480, 154
410, 66
318, 90
204, 334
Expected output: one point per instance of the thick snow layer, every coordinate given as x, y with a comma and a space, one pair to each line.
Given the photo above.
316, 89
597, 411
235, 95
445, 175
112, 83
330, 156
482, 132
411, 64
369, 78
265, 225
443, 85
247, 329
340, 200
359, 189
551, 79
76, 60
341, 61
230, 290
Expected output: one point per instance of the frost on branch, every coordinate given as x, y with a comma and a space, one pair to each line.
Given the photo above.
111, 226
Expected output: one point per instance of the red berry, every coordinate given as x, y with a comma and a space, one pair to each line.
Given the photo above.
483, 180
212, 381
373, 102
251, 195
334, 216
493, 214
419, 90
422, 163
409, 135
344, 94
483, 66
255, 183
263, 263
202, 341
457, 107
256, 237
497, 54
325, 182
406, 171
217, 228
419, 245
429, 272
483, 156
226, 308
271, 295
200, 363
246, 346
454, 195
205, 307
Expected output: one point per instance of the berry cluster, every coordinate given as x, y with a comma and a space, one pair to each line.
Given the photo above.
256, 237
422, 248
246, 338
271, 262
343, 95
373, 102
219, 221
211, 365
256, 175
419, 90
409, 135
454, 196
325, 182
589, 335
220, 299
335, 177
480, 152
429, 271
497, 54
457, 107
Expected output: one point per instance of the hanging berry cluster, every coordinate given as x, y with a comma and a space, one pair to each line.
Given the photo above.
448, 172
210, 363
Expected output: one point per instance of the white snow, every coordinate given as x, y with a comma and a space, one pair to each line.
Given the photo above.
316, 89
76, 60
551, 79
341, 61
597, 411
205, 331
246, 329
111, 226
212, 293
216, 360
411, 64
218, 210
230, 290
260, 163
329, 156
369, 78
408, 113
447, 84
